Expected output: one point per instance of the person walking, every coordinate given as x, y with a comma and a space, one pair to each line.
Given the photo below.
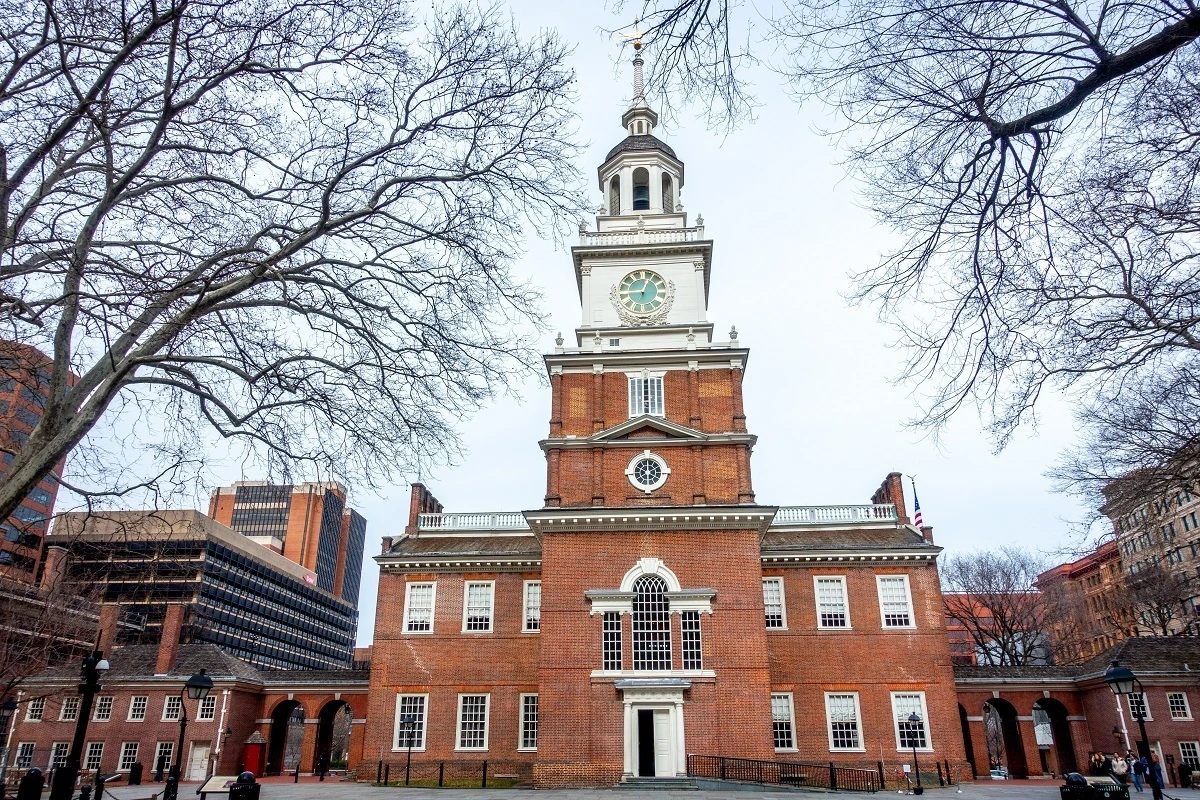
1138, 772
1159, 783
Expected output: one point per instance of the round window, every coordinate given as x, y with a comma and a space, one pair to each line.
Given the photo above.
647, 471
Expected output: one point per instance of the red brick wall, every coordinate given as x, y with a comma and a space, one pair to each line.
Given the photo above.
867, 659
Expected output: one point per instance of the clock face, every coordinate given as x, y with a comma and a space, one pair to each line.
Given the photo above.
643, 291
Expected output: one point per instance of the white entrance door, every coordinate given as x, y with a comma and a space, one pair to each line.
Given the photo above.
198, 763
663, 763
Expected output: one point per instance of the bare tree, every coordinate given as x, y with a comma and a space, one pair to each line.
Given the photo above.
1040, 164
42, 627
288, 222
1153, 601
991, 594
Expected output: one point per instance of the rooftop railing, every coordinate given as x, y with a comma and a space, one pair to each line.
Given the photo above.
787, 516
641, 236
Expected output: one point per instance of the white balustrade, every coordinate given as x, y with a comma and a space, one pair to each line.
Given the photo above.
485, 521
641, 236
832, 515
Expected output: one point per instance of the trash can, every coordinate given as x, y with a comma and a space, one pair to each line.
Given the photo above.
245, 787
135, 774
1077, 787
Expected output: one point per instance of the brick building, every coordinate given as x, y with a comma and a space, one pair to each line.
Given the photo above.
653, 608
24, 387
1088, 590
308, 523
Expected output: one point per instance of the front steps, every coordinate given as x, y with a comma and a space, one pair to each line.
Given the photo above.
651, 784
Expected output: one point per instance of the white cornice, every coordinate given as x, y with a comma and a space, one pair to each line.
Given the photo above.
784, 558
457, 563
674, 358
599, 251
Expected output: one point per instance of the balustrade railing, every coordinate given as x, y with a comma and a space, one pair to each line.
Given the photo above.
788, 773
486, 521
641, 236
826, 515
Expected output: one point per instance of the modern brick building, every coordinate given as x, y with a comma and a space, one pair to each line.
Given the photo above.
308, 523
24, 383
233, 592
653, 607
1088, 590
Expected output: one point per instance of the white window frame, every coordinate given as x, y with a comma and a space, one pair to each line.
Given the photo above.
845, 601
791, 721
23, 756
424, 723
1149, 716
70, 702
928, 748
858, 720
432, 607
521, 748
783, 626
171, 701
631, 472
1194, 743
1187, 706
635, 379
132, 757
209, 705
158, 748
525, 607
87, 756
37, 704
912, 614
491, 605
487, 722
55, 749
112, 702
133, 703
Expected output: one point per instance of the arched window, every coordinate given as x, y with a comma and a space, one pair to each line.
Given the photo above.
651, 624
614, 195
641, 189
668, 194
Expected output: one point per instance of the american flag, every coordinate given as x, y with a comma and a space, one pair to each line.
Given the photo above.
918, 520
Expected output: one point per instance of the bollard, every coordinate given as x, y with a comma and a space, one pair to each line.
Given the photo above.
949, 774
441, 770
832, 777
484, 784
941, 780
387, 774
379, 774
881, 785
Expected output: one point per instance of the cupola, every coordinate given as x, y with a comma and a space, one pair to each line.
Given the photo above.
641, 175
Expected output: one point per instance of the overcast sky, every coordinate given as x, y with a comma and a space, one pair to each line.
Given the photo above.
788, 229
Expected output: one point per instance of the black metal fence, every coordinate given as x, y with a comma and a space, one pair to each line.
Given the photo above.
447, 774
790, 773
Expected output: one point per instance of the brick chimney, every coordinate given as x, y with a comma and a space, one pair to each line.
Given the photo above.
927, 532
892, 491
387, 543
55, 566
168, 645
110, 616
421, 502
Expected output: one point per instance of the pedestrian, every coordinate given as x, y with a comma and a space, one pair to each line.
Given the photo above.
160, 767
1096, 764
1139, 771
1160, 784
1120, 770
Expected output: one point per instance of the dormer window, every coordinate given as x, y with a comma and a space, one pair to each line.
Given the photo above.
641, 189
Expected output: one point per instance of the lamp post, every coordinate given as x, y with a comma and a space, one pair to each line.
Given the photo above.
914, 719
409, 723
1122, 681
93, 668
197, 687
7, 709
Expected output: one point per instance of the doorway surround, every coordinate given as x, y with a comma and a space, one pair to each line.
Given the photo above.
657, 694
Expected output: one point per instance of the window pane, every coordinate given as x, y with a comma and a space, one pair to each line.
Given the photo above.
479, 607
651, 624
612, 640
645, 397
412, 735
893, 598
529, 721
689, 623
831, 603
773, 601
1191, 753
1137, 705
781, 721
420, 607
137, 707
843, 721
104, 707
473, 721
129, 753
1177, 701
912, 734
533, 606
95, 754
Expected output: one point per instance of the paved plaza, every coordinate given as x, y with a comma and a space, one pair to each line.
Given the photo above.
310, 790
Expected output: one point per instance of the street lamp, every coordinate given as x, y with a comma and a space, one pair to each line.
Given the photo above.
90, 672
914, 719
409, 723
197, 687
1122, 681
